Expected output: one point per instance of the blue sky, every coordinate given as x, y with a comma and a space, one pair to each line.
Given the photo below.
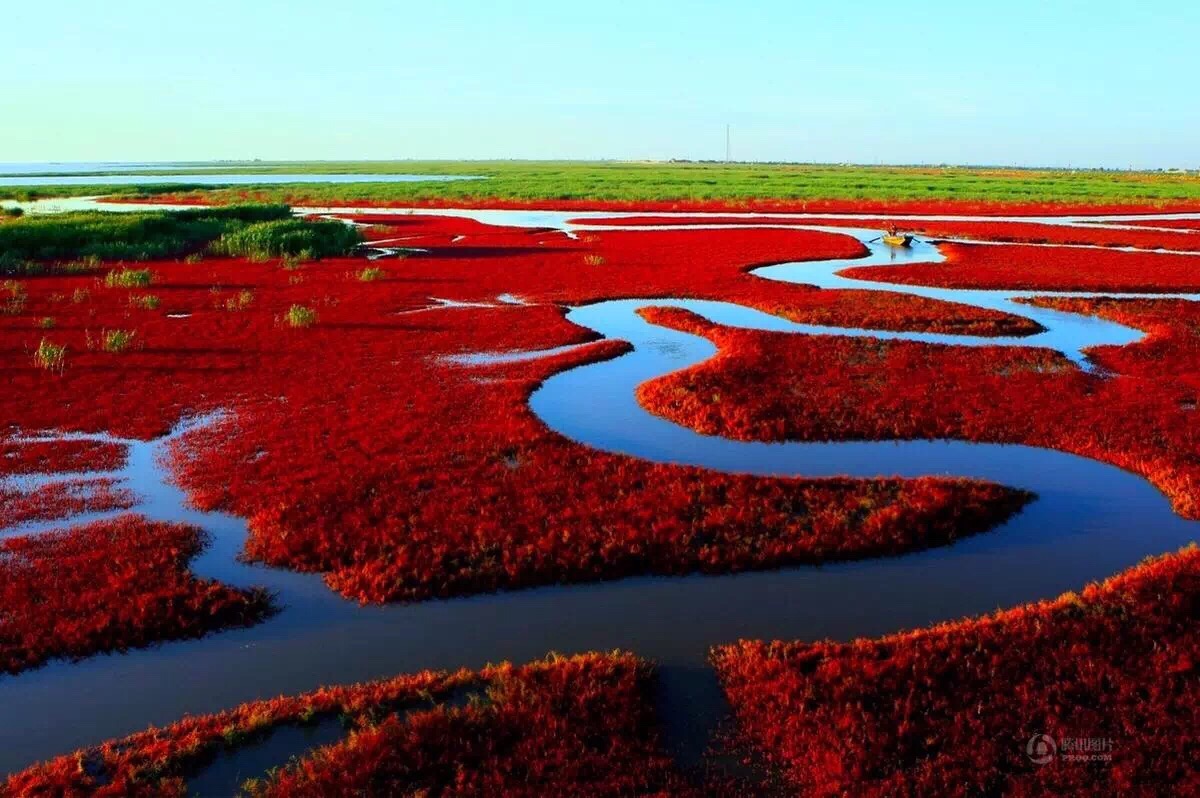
1027, 83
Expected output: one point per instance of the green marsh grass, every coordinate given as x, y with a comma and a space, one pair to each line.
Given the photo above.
734, 183
16, 296
50, 356
242, 301
294, 239
127, 236
129, 278
300, 316
144, 301
117, 341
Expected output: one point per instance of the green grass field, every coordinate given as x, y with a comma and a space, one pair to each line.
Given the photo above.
731, 183
85, 238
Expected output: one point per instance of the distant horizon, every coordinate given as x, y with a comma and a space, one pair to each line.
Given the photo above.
185, 162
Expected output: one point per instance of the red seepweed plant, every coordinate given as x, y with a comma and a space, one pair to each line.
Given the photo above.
109, 586
1091, 693
581, 725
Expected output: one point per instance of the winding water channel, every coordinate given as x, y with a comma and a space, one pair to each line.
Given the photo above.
1089, 521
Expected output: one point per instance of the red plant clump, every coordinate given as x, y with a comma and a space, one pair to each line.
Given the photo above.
108, 586
60, 500
48, 457
958, 708
582, 725
355, 449
777, 386
1044, 268
879, 310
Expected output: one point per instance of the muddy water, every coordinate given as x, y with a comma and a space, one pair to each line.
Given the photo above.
1089, 521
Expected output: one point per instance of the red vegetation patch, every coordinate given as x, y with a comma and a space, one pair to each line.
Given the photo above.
61, 500
1004, 231
505, 504
879, 310
776, 386
48, 457
1032, 233
1175, 224
108, 586
1168, 355
578, 726
1044, 268
951, 710
422, 231
834, 206
582, 725
153, 762
355, 449
714, 264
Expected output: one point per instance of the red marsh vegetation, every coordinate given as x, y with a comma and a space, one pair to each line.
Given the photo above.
1109, 672
402, 476
582, 725
998, 230
108, 586
1037, 268
641, 206
59, 500
777, 386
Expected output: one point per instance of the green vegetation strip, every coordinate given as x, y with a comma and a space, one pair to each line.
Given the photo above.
251, 231
691, 181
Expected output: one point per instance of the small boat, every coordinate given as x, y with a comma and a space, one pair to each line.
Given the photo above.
894, 239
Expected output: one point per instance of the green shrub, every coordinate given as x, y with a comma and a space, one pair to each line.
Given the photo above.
292, 238
144, 301
127, 236
242, 301
14, 303
50, 356
129, 278
371, 274
117, 340
13, 265
300, 316
85, 264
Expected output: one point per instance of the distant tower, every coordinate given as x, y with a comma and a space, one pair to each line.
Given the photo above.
728, 152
